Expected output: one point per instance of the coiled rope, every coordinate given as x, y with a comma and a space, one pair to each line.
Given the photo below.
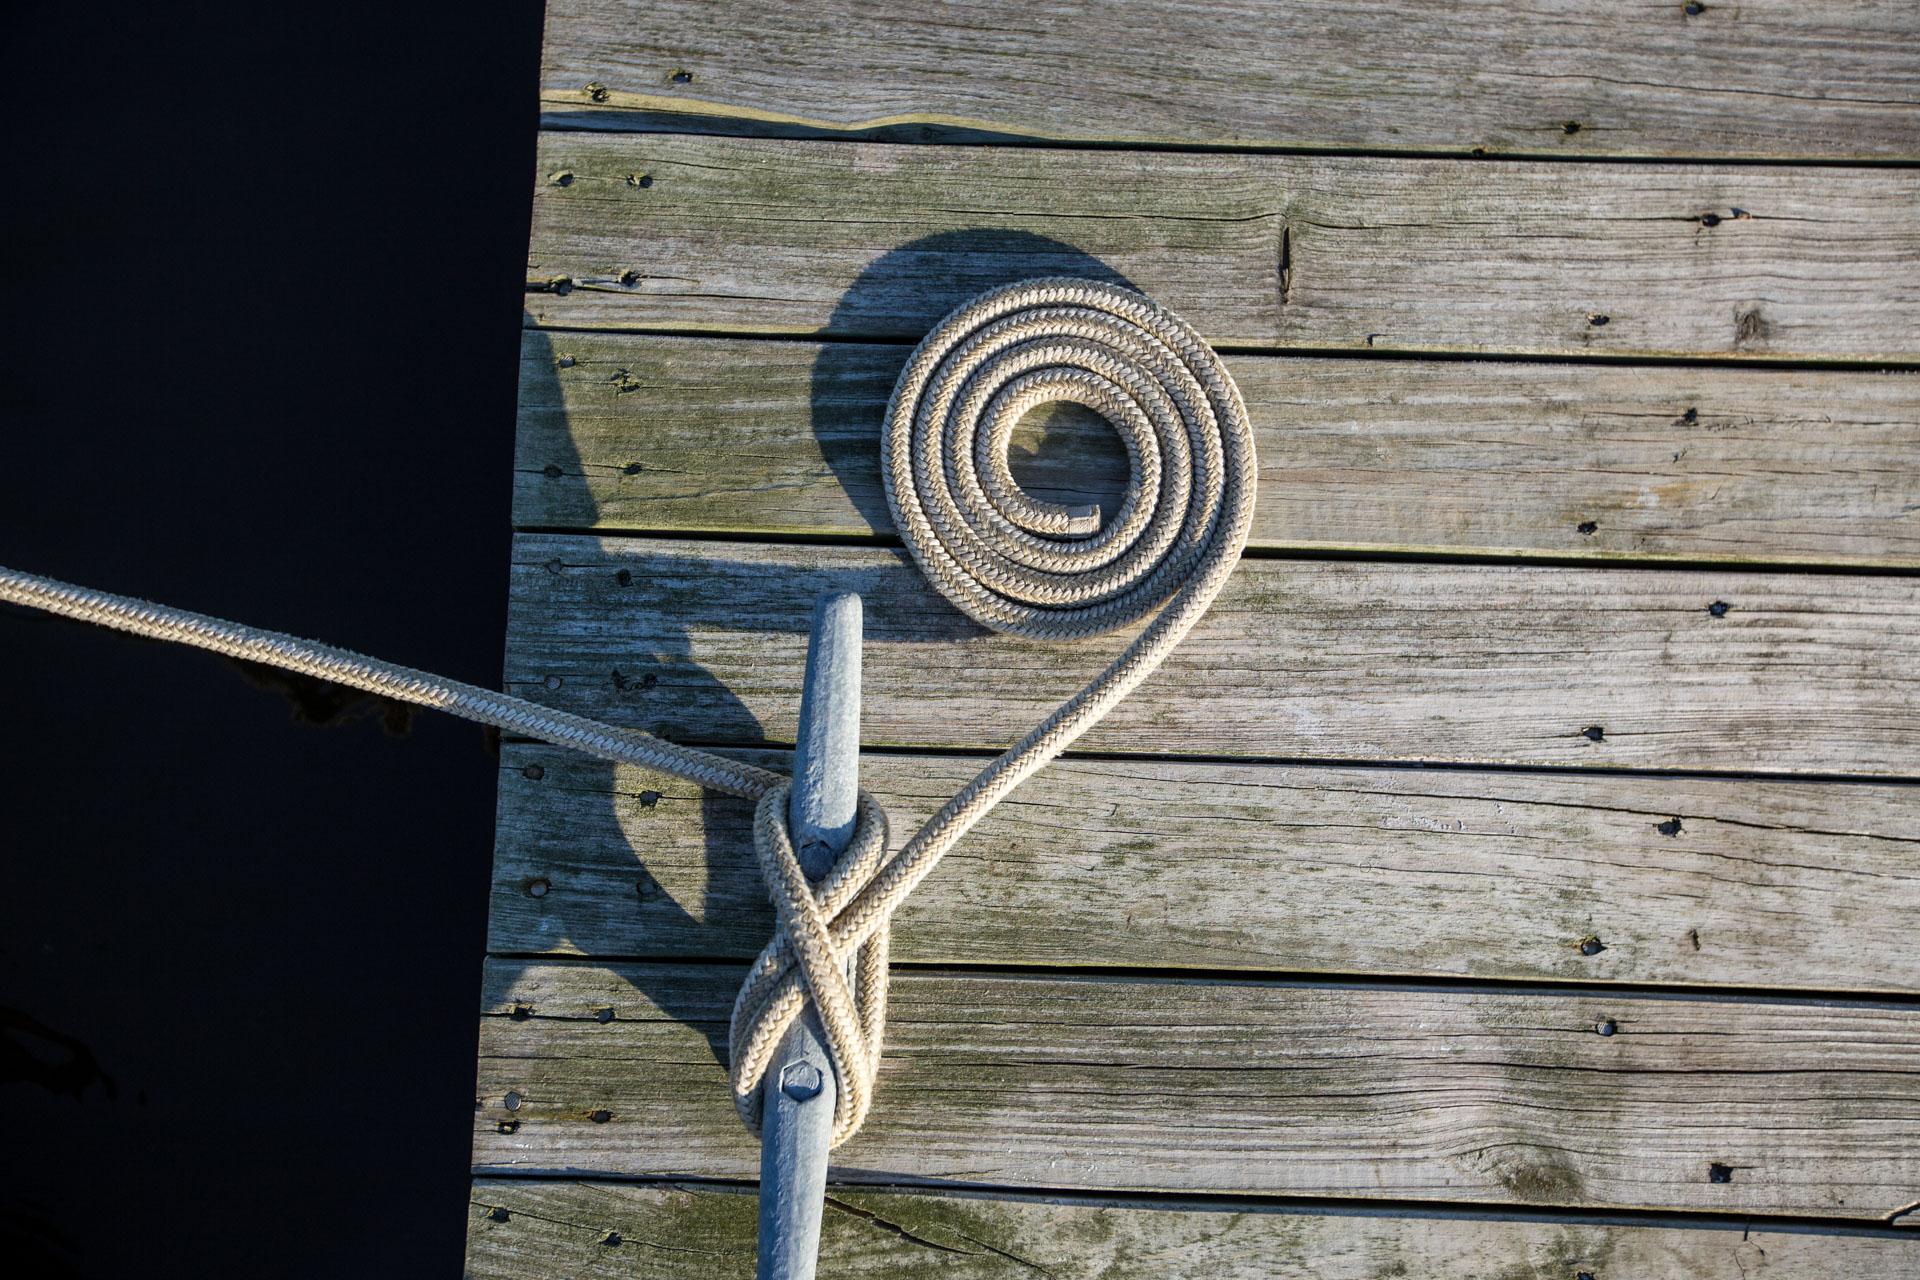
1013, 564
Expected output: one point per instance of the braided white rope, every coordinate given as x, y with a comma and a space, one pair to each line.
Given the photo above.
1011, 563
1019, 566
388, 679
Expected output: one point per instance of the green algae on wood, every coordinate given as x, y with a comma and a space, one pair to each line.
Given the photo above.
1495, 1096
629, 433
536, 1229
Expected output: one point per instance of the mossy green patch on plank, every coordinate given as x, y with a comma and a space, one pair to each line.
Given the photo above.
629, 433
534, 1229
1126, 1084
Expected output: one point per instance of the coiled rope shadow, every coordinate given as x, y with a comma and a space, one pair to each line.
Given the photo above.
1013, 564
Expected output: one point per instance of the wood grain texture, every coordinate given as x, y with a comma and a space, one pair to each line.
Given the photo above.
1262, 867
535, 1229
620, 432
1756, 79
874, 240
822, 227
1499, 1097
705, 642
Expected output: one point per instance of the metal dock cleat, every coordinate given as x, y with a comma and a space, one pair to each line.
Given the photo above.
797, 1124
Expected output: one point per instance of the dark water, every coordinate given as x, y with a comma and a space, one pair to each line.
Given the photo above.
262, 314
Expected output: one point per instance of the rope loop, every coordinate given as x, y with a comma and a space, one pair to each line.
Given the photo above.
1019, 566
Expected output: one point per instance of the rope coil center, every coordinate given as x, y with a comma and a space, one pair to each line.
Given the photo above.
1019, 566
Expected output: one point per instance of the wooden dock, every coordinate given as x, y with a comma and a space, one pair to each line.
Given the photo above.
1517, 872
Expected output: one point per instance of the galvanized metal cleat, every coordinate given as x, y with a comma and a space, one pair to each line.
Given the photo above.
796, 1128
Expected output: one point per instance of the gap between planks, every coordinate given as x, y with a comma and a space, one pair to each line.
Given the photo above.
1568, 359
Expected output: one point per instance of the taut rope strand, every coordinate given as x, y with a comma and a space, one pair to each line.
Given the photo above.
389, 680
1013, 564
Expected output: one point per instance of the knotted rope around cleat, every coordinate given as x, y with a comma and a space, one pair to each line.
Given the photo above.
1027, 568
805, 961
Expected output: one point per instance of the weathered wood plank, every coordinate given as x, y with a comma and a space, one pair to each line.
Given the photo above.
874, 240
705, 641
534, 1229
649, 433
1262, 867
1135, 1085
1762, 78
